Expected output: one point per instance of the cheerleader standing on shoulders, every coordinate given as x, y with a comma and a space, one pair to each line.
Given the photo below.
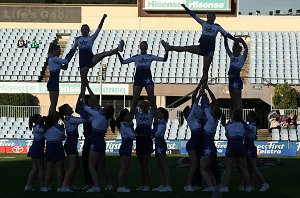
160, 126
235, 133
99, 117
55, 156
125, 125
144, 143
71, 124
36, 152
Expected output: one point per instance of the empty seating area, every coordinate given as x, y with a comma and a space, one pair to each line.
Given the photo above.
274, 56
286, 134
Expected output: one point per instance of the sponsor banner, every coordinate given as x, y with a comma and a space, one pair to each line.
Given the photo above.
17, 149
295, 146
198, 5
42, 14
65, 88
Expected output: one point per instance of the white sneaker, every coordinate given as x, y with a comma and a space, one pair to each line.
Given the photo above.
158, 188
165, 45
196, 188
264, 187
146, 189
94, 189
209, 189
189, 188
86, 187
109, 187
74, 188
249, 189
166, 189
58, 189
224, 189
123, 189
29, 188
139, 188
241, 188
121, 46
44, 189
66, 189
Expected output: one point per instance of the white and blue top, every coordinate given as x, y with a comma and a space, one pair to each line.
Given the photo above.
56, 64
161, 129
236, 62
251, 131
55, 133
71, 124
143, 119
235, 129
98, 119
127, 131
193, 118
85, 43
211, 123
38, 132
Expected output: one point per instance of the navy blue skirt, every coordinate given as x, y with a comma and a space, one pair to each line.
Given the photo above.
251, 149
126, 147
160, 147
207, 46
98, 141
144, 146
54, 151
85, 58
37, 149
143, 77
235, 148
194, 143
235, 83
209, 147
71, 143
53, 82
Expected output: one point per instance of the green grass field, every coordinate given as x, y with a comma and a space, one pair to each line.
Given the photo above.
283, 176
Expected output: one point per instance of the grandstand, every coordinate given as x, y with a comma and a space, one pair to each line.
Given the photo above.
273, 59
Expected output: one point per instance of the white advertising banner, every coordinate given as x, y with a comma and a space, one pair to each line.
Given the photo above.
65, 88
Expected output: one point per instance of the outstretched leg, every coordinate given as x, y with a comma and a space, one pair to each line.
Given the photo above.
194, 49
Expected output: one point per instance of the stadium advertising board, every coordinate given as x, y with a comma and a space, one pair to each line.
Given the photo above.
197, 5
43, 14
65, 88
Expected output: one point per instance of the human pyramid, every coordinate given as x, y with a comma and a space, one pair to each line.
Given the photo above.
202, 118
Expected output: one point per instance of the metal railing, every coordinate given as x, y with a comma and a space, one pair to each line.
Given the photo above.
22, 111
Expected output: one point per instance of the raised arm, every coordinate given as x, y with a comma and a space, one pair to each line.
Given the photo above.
193, 14
211, 94
226, 34
94, 36
126, 61
245, 53
195, 105
76, 120
163, 59
229, 52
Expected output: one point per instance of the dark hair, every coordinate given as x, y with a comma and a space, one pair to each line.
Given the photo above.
33, 119
62, 111
217, 113
213, 13
184, 114
144, 42
86, 25
51, 120
165, 112
109, 114
120, 118
253, 117
53, 46
237, 115
237, 44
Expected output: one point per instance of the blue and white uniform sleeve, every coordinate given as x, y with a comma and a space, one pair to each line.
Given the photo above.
245, 53
193, 14
208, 115
75, 44
60, 60
90, 111
224, 33
76, 121
163, 59
195, 106
129, 60
161, 129
228, 51
94, 36
39, 129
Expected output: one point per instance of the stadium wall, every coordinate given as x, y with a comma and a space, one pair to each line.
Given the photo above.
126, 17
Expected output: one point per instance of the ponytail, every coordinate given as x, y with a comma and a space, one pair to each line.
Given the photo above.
120, 118
33, 120
112, 124
184, 114
109, 114
223, 119
165, 112
30, 122
62, 111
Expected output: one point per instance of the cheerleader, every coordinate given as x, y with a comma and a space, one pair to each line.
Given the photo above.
143, 76
209, 150
125, 125
55, 64
251, 152
36, 152
71, 124
144, 144
235, 133
54, 135
193, 116
99, 117
161, 149
207, 41
87, 59
237, 61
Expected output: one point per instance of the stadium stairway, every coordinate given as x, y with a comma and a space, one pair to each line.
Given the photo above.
263, 134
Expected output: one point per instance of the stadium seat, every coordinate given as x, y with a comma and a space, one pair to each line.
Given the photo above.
275, 134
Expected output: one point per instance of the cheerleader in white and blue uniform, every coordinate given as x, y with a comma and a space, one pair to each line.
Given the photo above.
143, 76
99, 117
251, 152
235, 133
209, 150
55, 155
55, 64
160, 126
207, 41
125, 125
36, 152
85, 44
193, 116
71, 124
237, 61
144, 143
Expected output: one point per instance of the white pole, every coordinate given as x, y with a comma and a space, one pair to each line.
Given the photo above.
271, 102
124, 99
100, 76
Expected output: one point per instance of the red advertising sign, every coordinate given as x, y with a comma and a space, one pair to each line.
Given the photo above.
17, 149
